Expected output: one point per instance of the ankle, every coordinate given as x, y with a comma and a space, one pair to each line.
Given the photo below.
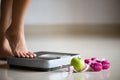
15, 28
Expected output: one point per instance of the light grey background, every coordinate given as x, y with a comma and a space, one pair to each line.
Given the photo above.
73, 12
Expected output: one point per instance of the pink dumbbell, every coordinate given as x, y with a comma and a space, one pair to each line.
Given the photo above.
105, 64
93, 65
97, 65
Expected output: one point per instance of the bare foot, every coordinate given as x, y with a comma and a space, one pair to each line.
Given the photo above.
5, 50
18, 45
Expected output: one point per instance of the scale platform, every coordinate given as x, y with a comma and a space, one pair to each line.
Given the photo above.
44, 61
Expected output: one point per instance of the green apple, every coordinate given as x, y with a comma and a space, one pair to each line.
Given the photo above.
78, 63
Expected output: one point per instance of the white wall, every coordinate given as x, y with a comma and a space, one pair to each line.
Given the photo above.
73, 11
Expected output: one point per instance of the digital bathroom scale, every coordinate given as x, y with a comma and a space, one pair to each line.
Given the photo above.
44, 61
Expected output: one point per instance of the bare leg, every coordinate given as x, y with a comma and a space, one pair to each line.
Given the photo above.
5, 20
15, 33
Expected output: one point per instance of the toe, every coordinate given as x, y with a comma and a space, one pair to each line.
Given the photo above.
34, 55
17, 54
27, 55
30, 55
22, 55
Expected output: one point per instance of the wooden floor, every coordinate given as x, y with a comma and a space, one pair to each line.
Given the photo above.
106, 30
